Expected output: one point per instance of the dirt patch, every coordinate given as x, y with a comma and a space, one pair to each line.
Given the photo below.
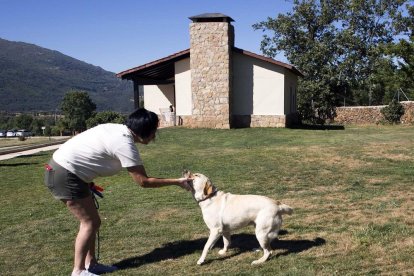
165, 214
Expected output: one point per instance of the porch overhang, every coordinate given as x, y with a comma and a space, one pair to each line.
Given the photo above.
160, 71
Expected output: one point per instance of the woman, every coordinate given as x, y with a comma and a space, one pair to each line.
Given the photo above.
100, 151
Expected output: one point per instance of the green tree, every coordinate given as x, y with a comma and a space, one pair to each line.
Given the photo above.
48, 131
367, 26
5, 121
403, 52
77, 107
60, 127
23, 121
336, 44
36, 126
105, 117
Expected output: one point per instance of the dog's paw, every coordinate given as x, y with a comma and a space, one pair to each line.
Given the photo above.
257, 262
200, 262
222, 252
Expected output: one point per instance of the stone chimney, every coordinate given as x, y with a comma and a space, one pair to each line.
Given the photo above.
211, 43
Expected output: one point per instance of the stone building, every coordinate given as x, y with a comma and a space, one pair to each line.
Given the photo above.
216, 85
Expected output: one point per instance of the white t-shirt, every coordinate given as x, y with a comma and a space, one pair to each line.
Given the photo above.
100, 151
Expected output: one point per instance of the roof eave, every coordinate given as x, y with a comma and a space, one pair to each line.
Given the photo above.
132, 74
271, 60
127, 74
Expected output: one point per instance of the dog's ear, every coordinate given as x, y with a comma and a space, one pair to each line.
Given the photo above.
208, 188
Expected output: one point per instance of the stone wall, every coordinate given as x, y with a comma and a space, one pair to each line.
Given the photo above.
268, 121
197, 121
240, 121
210, 62
370, 114
408, 117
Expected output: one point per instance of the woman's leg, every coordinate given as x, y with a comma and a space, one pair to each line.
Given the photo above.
85, 211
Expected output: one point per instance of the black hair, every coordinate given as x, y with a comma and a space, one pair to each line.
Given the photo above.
142, 122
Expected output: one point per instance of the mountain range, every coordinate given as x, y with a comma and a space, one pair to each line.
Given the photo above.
33, 78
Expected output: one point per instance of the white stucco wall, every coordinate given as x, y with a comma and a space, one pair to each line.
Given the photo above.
242, 98
258, 87
183, 87
158, 96
268, 89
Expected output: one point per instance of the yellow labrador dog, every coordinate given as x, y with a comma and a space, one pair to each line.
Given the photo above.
225, 212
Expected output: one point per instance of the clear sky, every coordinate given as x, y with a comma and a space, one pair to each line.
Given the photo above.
120, 34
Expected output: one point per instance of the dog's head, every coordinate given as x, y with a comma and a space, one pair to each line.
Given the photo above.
201, 185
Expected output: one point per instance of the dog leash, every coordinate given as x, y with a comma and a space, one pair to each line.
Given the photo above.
96, 190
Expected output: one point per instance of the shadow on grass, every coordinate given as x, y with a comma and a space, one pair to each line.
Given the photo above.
240, 243
19, 164
318, 127
42, 153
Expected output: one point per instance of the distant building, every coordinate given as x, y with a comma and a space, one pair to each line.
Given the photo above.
216, 85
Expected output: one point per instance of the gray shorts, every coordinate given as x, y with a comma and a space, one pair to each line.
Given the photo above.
63, 184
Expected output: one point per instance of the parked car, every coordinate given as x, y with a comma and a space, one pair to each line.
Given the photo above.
23, 132
3, 133
11, 133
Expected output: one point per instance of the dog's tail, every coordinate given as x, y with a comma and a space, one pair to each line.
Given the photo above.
285, 209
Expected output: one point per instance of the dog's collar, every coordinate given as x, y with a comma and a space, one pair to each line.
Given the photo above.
209, 196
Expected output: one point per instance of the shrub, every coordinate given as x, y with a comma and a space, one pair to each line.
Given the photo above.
105, 117
393, 112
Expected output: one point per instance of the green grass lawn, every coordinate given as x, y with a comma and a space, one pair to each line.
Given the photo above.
352, 191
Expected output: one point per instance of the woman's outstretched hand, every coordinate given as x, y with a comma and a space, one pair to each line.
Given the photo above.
184, 182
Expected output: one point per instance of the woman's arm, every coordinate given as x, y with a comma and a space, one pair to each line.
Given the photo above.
140, 176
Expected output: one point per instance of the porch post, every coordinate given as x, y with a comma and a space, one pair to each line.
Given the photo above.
136, 95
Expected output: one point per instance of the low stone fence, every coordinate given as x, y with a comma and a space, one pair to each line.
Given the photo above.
371, 114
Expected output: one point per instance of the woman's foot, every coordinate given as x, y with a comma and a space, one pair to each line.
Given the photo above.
83, 273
